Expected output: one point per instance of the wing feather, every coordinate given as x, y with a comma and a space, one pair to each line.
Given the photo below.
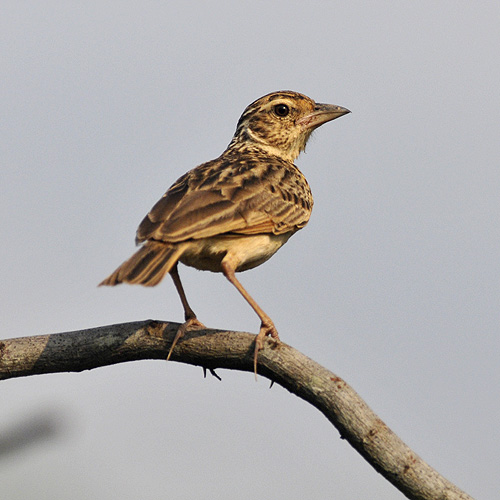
231, 195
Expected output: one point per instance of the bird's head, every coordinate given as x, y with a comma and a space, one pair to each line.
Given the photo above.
280, 123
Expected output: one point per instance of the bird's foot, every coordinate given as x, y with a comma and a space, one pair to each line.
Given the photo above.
190, 324
267, 329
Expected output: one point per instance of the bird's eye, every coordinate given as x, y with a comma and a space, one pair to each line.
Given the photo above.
281, 110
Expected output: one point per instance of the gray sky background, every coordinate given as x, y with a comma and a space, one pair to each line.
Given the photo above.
394, 285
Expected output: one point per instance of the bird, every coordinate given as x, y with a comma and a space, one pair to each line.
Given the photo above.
233, 213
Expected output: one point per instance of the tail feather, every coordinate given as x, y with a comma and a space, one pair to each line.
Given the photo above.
147, 266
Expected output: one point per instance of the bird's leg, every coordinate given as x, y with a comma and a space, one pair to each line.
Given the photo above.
191, 321
267, 326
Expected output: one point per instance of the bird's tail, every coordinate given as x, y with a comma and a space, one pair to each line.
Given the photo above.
147, 266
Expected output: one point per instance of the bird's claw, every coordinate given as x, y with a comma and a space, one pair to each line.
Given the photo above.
190, 324
267, 329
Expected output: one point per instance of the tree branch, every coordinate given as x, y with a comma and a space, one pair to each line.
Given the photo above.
211, 349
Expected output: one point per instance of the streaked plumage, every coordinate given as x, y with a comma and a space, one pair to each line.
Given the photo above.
233, 213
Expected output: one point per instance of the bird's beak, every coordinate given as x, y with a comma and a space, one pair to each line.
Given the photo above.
322, 113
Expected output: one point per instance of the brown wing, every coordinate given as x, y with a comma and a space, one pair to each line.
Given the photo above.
231, 195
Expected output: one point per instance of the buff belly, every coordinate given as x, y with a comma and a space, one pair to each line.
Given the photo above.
248, 250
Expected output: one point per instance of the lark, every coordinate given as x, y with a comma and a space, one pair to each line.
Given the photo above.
233, 213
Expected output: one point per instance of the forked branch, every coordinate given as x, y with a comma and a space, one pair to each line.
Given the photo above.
356, 422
